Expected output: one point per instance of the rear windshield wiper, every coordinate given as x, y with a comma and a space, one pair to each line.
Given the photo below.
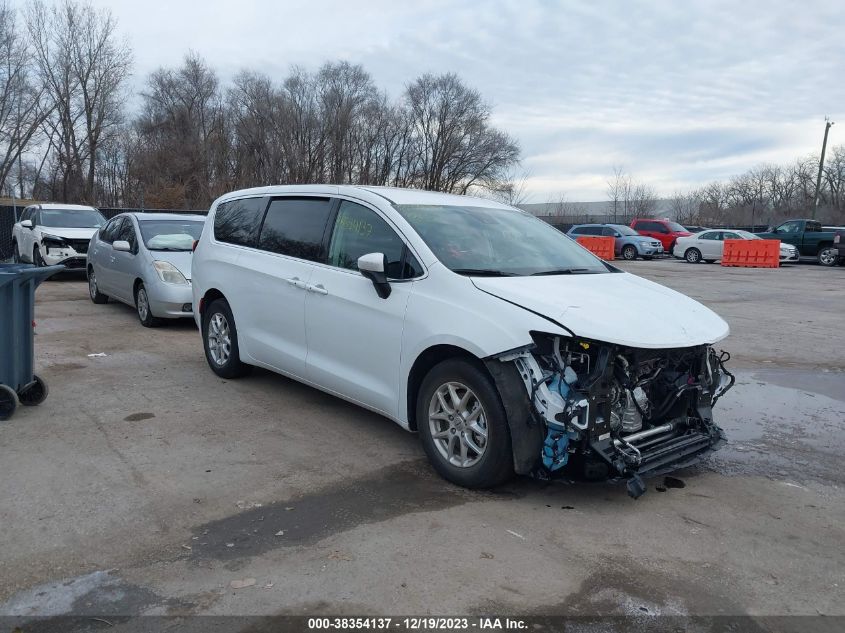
483, 272
567, 271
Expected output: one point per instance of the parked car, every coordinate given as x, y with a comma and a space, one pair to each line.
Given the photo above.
628, 243
839, 244
809, 237
666, 231
50, 234
708, 246
144, 260
505, 345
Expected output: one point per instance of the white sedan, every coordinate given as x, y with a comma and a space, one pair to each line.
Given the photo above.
707, 246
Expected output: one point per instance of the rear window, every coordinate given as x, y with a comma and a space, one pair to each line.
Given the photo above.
237, 222
295, 227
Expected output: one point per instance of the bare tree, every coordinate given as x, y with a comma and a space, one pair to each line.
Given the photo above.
83, 67
513, 189
454, 148
617, 188
685, 206
23, 106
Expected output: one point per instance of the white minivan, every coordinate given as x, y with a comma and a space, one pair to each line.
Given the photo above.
506, 345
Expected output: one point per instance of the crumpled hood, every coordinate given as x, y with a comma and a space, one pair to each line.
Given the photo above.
72, 234
616, 308
180, 259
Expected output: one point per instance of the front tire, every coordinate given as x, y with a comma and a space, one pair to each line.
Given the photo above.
142, 307
220, 341
16, 254
36, 257
463, 426
693, 255
94, 290
629, 252
828, 256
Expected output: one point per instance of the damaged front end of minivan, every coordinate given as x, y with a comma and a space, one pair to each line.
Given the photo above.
606, 411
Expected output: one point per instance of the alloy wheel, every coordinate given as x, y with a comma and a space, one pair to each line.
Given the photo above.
458, 424
219, 339
143, 304
828, 256
92, 285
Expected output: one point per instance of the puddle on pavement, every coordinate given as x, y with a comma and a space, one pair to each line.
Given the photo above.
390, 492
785, 424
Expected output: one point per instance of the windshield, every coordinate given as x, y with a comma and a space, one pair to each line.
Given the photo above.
71, 218
170, 235
497, 242
624, 230
675, 227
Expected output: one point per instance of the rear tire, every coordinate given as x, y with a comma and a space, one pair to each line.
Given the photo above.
35, 394
8, 402
142, 307
629, 252
828, 256
93, 290
692, 255
220, 341
468, 447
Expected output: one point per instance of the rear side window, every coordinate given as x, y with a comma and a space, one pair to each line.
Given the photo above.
359, 231
295, 227
237, 222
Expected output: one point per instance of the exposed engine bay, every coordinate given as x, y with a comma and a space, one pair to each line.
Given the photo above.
611, 411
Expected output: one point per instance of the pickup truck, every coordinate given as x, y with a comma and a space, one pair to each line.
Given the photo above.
808, 237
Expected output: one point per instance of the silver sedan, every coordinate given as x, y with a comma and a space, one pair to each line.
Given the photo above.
144, 260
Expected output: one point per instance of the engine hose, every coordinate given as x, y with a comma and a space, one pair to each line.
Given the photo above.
722, 359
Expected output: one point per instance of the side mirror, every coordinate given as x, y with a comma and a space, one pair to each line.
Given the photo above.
27, 224
121, 245
372, 266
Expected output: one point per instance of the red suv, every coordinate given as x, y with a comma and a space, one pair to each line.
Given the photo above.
664, 230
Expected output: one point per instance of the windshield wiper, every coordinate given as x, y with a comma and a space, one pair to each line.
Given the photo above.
567, 271
170, 248
483, 272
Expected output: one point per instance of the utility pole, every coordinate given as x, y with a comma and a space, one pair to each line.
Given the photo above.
827, 125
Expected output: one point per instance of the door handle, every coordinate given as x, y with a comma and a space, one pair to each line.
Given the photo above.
319, 289
297, 282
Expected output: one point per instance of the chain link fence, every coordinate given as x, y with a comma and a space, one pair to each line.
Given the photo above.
9, 215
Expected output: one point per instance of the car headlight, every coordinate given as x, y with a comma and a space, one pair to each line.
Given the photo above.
169, 274
53, 241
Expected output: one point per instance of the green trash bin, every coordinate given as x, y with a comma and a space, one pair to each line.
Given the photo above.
18, 382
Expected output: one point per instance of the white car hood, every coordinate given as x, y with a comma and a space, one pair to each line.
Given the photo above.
616, 308
73, 234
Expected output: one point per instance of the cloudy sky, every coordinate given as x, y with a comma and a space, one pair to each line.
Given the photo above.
678, 93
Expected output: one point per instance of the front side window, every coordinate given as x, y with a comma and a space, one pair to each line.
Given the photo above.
295, 227
71, 219
497, 241
237, 221
126, 233
170, 235
26, 214
359, 231
108, 232
789, 227
674, 227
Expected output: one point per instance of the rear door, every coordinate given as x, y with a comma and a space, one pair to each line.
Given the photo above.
269, 304
354, 336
